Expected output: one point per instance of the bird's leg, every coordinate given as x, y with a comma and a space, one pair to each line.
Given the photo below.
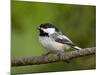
59, 54
46, 54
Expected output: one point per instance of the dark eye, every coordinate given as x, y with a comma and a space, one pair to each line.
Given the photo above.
45, 26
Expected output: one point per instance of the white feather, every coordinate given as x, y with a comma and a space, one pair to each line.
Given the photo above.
51, 45
49, 30
78, 48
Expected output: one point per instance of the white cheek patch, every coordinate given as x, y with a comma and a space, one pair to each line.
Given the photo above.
49, 30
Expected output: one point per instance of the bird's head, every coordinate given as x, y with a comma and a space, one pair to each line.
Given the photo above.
47, 28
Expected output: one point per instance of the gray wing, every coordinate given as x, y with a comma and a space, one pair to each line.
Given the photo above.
59, 37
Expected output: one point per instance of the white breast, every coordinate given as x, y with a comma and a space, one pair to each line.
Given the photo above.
51, 45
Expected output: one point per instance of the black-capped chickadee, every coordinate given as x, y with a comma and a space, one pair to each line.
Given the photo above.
54, 40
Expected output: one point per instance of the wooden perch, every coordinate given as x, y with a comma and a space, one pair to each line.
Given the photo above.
52, 57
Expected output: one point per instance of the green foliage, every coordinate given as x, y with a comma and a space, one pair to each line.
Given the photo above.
75, 21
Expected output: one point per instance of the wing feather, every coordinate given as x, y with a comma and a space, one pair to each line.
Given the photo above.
61, 39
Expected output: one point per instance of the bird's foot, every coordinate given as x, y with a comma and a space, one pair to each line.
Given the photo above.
46, 54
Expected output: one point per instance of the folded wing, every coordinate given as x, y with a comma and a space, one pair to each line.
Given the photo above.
59, 37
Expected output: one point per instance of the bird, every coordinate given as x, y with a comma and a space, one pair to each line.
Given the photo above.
54, 40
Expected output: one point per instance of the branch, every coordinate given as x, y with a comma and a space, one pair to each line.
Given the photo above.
52, 57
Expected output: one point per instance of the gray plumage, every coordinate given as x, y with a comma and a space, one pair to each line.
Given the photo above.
53, 39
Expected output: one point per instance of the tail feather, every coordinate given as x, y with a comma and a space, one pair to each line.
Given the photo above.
77, 48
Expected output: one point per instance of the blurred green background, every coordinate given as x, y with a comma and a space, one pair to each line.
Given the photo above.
75, 21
